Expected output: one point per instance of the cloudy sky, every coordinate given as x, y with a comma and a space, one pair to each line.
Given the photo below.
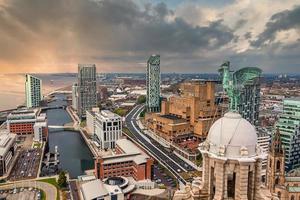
119, 35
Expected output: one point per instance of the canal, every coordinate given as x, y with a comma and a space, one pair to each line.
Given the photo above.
75, 157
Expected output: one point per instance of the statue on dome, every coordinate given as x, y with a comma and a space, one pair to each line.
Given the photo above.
234, 82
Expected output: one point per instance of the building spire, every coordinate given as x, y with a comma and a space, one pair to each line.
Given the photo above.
276, 144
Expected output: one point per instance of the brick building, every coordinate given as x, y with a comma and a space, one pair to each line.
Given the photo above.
193, 112
21, 122
129, 161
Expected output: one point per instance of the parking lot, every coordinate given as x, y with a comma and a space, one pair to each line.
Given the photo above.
27, 165
161, 177
21, 194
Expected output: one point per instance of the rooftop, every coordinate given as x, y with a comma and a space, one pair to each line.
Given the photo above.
172, 117
6, 140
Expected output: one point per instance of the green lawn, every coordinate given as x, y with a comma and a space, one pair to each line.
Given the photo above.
53, 182
43, 195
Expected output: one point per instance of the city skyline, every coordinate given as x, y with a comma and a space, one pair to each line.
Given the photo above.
191, 36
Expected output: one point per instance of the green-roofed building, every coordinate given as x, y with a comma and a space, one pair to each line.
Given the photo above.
288, 124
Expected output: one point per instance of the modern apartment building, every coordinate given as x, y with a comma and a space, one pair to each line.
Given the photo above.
153, 84
8, 147
248, 105
190, 114
87, 89
75, 96
289, 127
33, 91
129, 161
108, 129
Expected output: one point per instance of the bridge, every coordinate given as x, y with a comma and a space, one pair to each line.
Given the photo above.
65, 127
53, 107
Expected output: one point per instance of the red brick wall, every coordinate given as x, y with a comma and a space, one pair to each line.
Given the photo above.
21, 128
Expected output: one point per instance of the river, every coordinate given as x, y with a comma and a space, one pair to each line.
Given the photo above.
75, 156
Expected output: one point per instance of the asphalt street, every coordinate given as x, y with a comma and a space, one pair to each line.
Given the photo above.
170, 160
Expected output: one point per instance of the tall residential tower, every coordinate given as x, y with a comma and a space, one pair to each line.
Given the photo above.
153, 84
87, 89
33, 91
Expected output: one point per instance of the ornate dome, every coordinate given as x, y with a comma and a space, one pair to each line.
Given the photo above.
232, 136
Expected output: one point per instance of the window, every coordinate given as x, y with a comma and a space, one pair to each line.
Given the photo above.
278, 165
292, 197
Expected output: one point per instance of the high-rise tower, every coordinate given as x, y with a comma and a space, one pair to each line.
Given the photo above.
289, 126
33, 91
87, 91
153, 84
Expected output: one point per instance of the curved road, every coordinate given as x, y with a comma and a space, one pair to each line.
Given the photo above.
49, 189
170, 160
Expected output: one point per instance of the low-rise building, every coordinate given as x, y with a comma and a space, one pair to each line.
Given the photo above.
28, 121
91, 120
108, 129
21, 122
109, 189
129, 161
8, 148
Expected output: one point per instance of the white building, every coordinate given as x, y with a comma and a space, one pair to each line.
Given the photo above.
8, 148
75, 96
231, 163
153, 83
40, 131
108, 129
33, 91
263, 140
91, 120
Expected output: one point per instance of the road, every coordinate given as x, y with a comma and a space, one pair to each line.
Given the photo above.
170, 160
49, 189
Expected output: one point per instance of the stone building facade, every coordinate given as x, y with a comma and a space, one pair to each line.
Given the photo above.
282, 186
193, 112
231, 163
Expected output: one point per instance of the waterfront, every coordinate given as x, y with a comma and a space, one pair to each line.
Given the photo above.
75, 156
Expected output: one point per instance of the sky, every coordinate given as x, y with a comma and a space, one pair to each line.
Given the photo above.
191, 36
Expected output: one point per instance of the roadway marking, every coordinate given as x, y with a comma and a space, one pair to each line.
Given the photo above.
142, 135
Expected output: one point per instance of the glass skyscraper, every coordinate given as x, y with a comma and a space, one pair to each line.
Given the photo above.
33, 91
288, 124
87, 89
153, 84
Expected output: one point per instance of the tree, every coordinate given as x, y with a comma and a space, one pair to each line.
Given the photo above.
62, 180
141, 99
120, 111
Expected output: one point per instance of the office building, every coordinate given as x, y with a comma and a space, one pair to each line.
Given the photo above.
91, 120
21, 122
8, 147
289, 127
190, 114
108, 129
153, 84
33, 91
75, 96
40, 131
87, 89
231, 163
264, 140
281, 184
129, 161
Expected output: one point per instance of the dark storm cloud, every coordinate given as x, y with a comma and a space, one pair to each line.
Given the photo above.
240, 23
248, 35
107, 25
285, 20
